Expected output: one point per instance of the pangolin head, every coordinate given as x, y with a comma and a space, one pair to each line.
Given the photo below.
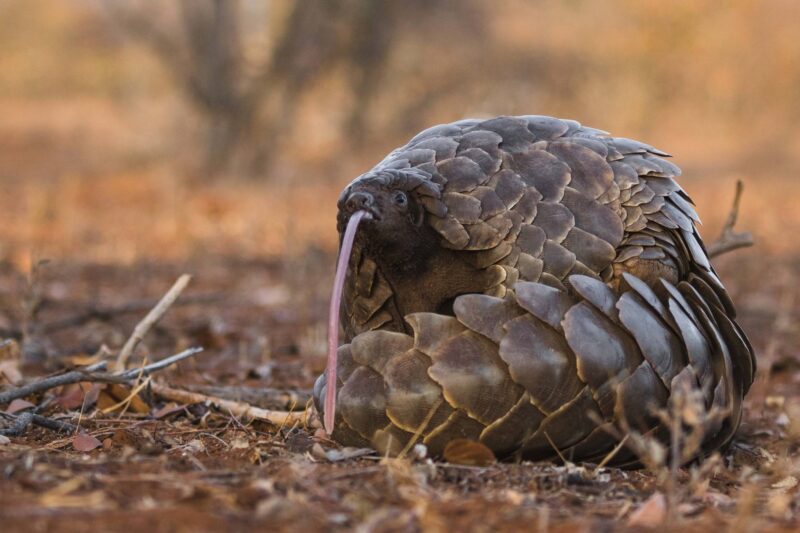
395, 201
382, 212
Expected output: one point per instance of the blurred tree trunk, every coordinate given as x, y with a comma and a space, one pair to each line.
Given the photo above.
250, 109
214, 78
204, 53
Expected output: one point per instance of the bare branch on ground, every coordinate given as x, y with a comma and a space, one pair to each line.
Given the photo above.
24, 420
731, 240
93, 373
150, 319
238, 409
265, 398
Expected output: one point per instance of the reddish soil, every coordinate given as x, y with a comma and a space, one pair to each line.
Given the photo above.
196, 469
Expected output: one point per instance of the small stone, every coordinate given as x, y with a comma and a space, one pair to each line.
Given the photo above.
419, 451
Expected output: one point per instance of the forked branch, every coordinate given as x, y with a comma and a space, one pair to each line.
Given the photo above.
731, 240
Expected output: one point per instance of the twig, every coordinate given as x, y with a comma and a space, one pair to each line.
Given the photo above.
730, 240
239, 409
68, 378
158, 365
24, 420
265, 398
151, 318
92, 374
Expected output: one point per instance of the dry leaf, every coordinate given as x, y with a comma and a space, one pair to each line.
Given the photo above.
9, 350
239, 444
18, 405
468, 452
79, 395
789, 482
9, 371
651, 513
113, 398
169, 409
774, 402
83, 442
85, 359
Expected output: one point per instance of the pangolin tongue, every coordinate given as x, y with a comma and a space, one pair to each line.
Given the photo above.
333, 318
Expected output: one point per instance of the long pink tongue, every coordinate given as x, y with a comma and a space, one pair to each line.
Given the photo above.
333, 319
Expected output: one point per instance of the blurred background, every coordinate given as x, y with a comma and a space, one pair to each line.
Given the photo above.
163, 130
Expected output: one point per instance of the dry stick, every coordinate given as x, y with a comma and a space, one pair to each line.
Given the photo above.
68, 378
730, 240
152, 317
24, 420
239, 409
92, 373
265, 398
146, 370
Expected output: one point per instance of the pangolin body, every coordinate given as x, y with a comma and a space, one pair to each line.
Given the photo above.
532, 284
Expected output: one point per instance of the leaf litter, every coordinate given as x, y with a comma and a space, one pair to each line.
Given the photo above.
139, 461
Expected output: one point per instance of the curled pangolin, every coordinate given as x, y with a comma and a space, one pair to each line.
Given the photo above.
529, 283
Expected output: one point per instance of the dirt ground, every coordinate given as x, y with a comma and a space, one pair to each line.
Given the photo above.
170, 467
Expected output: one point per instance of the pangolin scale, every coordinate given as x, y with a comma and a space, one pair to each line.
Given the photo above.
532, 284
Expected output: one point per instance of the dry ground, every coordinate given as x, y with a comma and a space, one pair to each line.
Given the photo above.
186, 467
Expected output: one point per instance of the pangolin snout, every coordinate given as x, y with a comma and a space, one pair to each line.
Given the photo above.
360, 200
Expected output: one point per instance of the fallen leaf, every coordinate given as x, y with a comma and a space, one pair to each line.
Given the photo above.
9, 371
774, 402
468, 452
79, 395
169, 409
85, 359
239, 444
112, 398
18, 405
9, 350
651, 513
789, 482
83, 442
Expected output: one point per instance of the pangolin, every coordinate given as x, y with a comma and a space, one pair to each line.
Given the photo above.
529, 283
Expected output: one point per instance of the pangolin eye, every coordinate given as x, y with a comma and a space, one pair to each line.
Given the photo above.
400, 198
